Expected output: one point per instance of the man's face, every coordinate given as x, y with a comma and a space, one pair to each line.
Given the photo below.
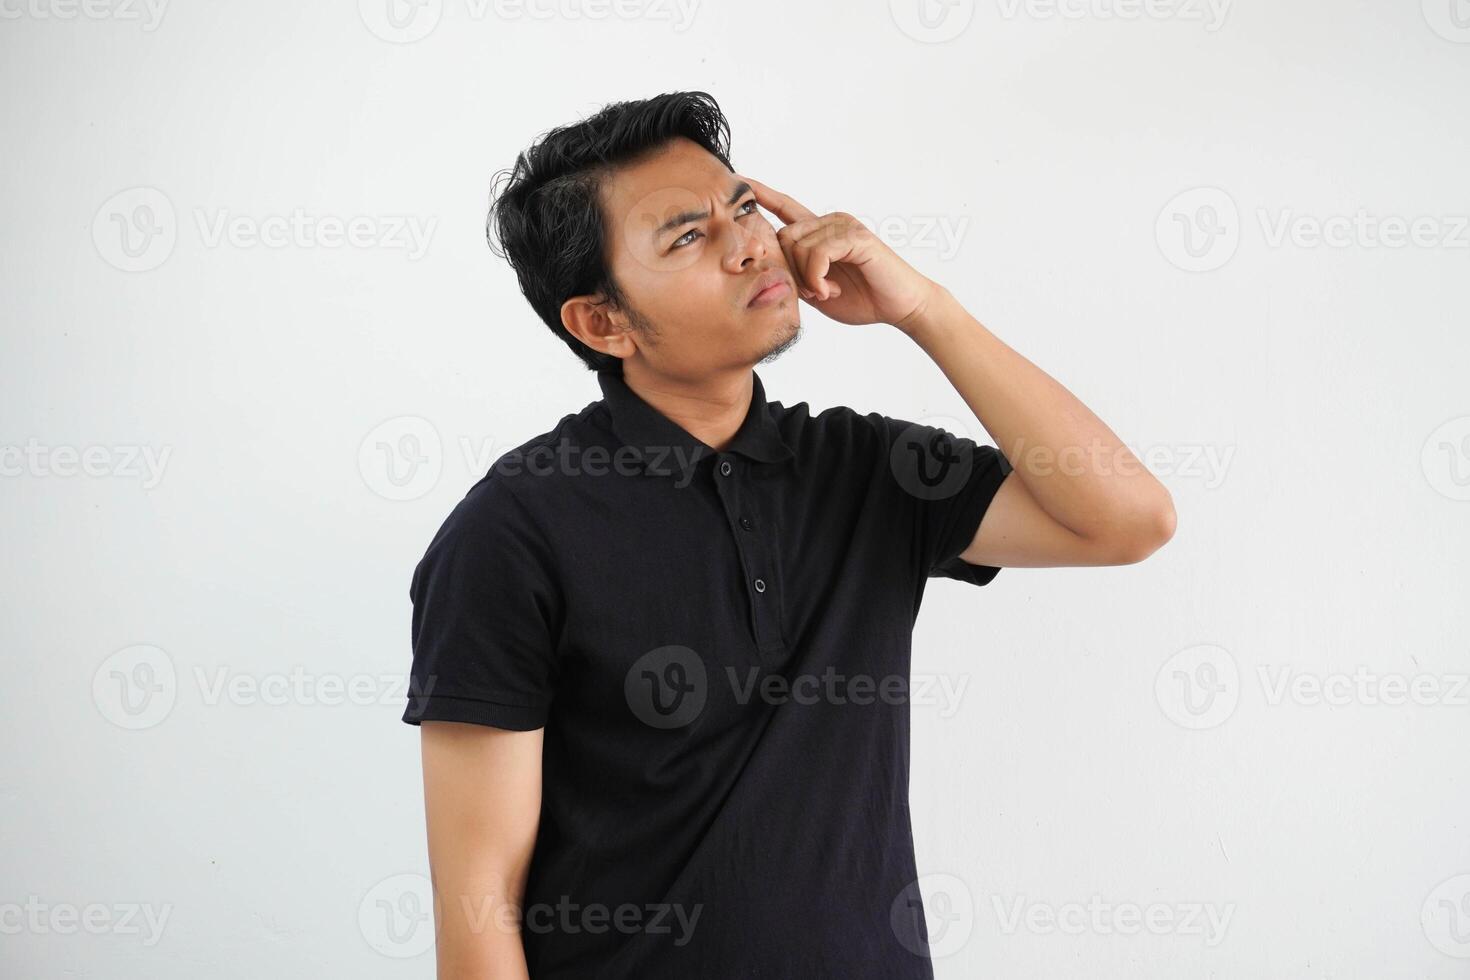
688, 247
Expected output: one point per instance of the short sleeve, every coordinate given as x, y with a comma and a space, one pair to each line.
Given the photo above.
485, 615
946, 483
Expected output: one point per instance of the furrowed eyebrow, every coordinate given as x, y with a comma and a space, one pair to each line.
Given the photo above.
685, 217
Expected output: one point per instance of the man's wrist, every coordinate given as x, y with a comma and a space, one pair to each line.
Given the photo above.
936, 309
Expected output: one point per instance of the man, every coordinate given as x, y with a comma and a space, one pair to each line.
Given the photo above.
663, 647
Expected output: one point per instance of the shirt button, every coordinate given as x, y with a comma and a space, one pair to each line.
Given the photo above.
760, 585
725, 468
747, 523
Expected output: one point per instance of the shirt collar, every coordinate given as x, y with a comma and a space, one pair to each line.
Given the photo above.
641, 426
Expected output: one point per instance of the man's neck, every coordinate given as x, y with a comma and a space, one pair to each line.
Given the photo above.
711, 410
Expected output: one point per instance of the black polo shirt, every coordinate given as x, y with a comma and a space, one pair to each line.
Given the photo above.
717, 644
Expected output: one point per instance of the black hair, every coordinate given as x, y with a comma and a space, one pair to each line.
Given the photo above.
546, 220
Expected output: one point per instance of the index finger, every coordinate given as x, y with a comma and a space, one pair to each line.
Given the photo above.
788, 209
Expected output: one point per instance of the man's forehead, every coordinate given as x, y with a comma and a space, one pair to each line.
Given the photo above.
648, 187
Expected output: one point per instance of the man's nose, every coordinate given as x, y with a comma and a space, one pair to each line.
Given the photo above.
746, 245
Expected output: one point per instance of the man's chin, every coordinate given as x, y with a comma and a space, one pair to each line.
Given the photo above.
783, 341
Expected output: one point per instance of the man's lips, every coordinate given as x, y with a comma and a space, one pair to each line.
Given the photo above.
766, 292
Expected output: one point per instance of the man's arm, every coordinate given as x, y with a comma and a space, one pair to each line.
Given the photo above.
1080, 497
482, 803
1076, 495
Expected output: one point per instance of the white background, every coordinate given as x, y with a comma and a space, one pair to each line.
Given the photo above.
1123, 738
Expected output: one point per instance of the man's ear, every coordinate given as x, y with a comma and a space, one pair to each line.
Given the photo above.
591, 319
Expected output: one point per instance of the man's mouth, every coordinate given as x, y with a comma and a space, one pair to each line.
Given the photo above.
772, 291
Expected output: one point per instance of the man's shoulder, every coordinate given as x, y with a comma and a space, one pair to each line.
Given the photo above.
834, 428
520, 476
532, 465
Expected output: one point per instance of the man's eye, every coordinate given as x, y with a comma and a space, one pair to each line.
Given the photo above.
680, 242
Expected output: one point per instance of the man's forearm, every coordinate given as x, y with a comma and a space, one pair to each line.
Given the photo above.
477, 933
1075, 467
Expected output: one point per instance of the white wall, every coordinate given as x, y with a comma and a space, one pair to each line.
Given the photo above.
1306, 403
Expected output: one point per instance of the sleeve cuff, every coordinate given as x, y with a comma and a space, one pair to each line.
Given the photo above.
976, 504
439, 707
